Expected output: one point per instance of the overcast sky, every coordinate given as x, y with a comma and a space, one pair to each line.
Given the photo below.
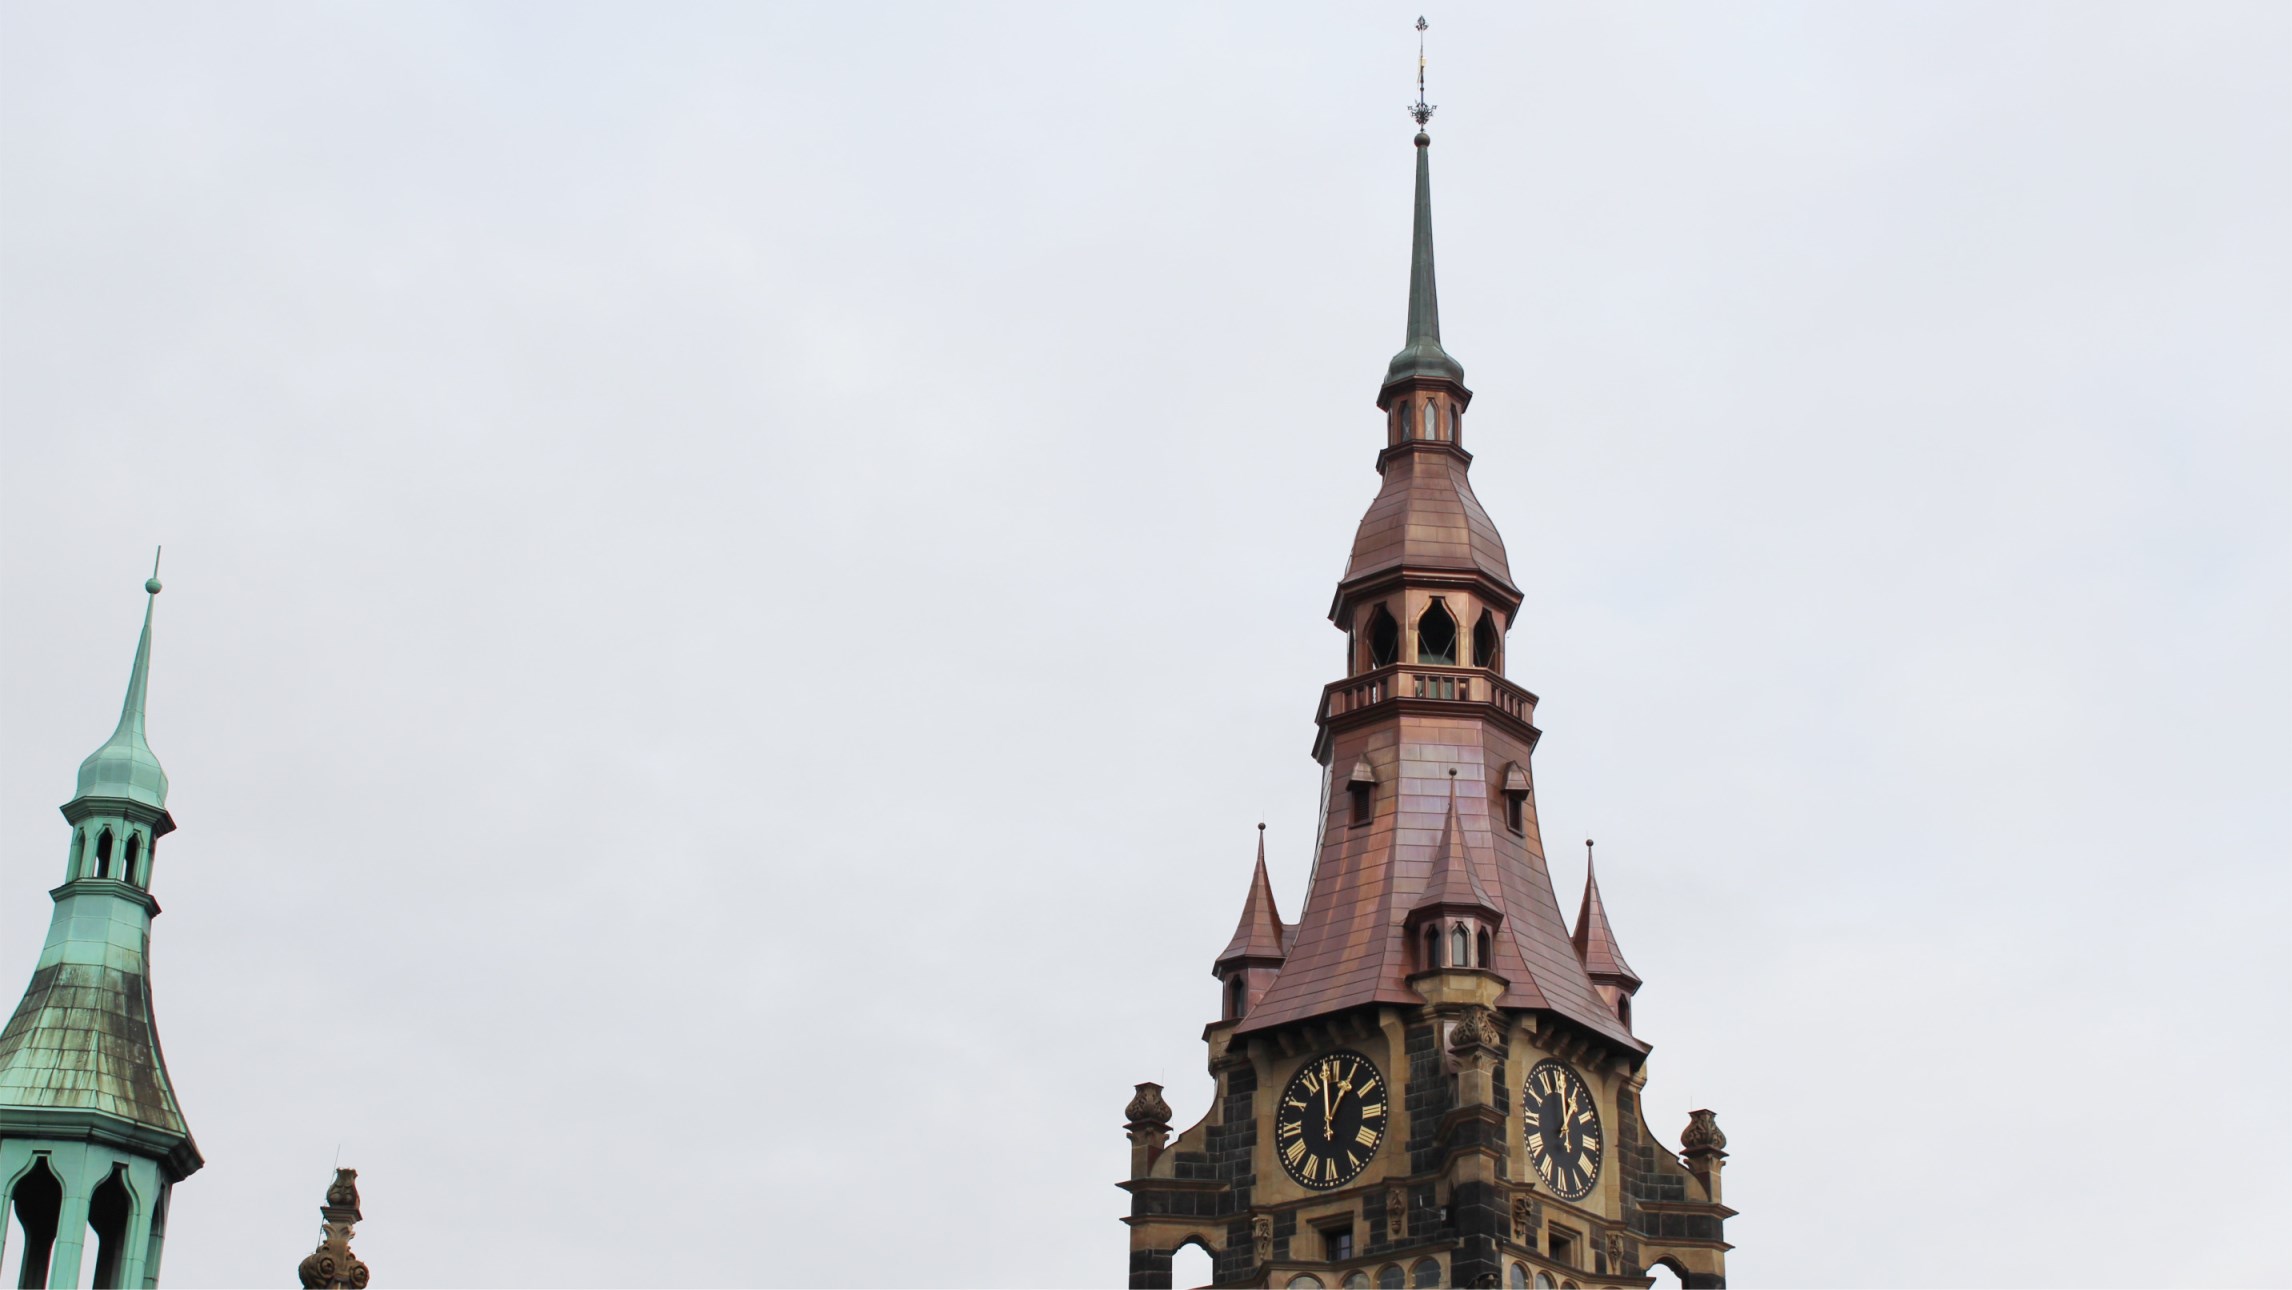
739, 578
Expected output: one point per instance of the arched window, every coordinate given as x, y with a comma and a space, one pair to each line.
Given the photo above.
1357, 1281
1487, 642
1390, 1277
79, 855
109, 1210
1432, 948
1623, 1011
1384, 638
38, 1200
1432, 419
1482, 946
1519, 1277
1436, 635
1543, 1281
1426, 1272
1237, 995
1305, 1281
1459, 946
103, 854
134, 853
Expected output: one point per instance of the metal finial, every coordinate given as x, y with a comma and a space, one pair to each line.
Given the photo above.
151, 585
1421, 110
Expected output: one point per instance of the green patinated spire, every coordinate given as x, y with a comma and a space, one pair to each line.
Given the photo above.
125, 766
1422, 357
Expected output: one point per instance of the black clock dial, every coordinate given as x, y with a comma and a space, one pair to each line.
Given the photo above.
1563, 1126
1331, 1119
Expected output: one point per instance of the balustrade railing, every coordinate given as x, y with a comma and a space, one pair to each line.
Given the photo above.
1441, 684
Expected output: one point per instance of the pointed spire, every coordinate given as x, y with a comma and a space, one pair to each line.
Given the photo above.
1260, 935
1422, 357
125, 766
1595, 941
1452, 885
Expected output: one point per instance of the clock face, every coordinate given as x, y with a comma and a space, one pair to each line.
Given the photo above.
1563, 1126
1331, 1119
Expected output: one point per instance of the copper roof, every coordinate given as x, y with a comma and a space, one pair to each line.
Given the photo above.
1425, 517
1260, 934
1349, 946
1595, 940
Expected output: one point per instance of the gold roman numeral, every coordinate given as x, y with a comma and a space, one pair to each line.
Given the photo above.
1367, 1137
1373, 1111
1294, 1152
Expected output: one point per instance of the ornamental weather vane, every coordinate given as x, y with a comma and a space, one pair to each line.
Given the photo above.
1421, 110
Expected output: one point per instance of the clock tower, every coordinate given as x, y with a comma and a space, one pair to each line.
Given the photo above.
1428, 1079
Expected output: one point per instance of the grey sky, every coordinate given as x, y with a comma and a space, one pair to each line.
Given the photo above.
739, 577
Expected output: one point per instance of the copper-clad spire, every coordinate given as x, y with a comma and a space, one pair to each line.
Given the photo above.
1261, 936
1595, 940
1451, 885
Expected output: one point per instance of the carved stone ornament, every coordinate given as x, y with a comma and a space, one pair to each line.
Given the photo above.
1616, 1255
1702, 1133
332, 1266
1147, 1110
1480, 1028
1523, 1219
1261, 1237
1396, 1214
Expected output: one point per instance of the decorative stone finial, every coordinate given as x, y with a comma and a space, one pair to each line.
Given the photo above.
1702, 1134
332, 1266
1147, 1110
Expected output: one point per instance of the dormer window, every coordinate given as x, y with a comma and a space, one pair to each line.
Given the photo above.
1515, 798
1436, 635
1361, 787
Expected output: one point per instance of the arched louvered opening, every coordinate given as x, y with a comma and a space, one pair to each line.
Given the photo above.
1488, 642
1436, 635
37, 1199
1237, 995
79, 856
103, 854
109, 1210
1384, 638
127, 870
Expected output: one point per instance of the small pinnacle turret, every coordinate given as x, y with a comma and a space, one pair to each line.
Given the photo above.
1596, 946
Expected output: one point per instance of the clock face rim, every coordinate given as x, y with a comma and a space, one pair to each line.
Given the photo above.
1529, 1136
1291, 1089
